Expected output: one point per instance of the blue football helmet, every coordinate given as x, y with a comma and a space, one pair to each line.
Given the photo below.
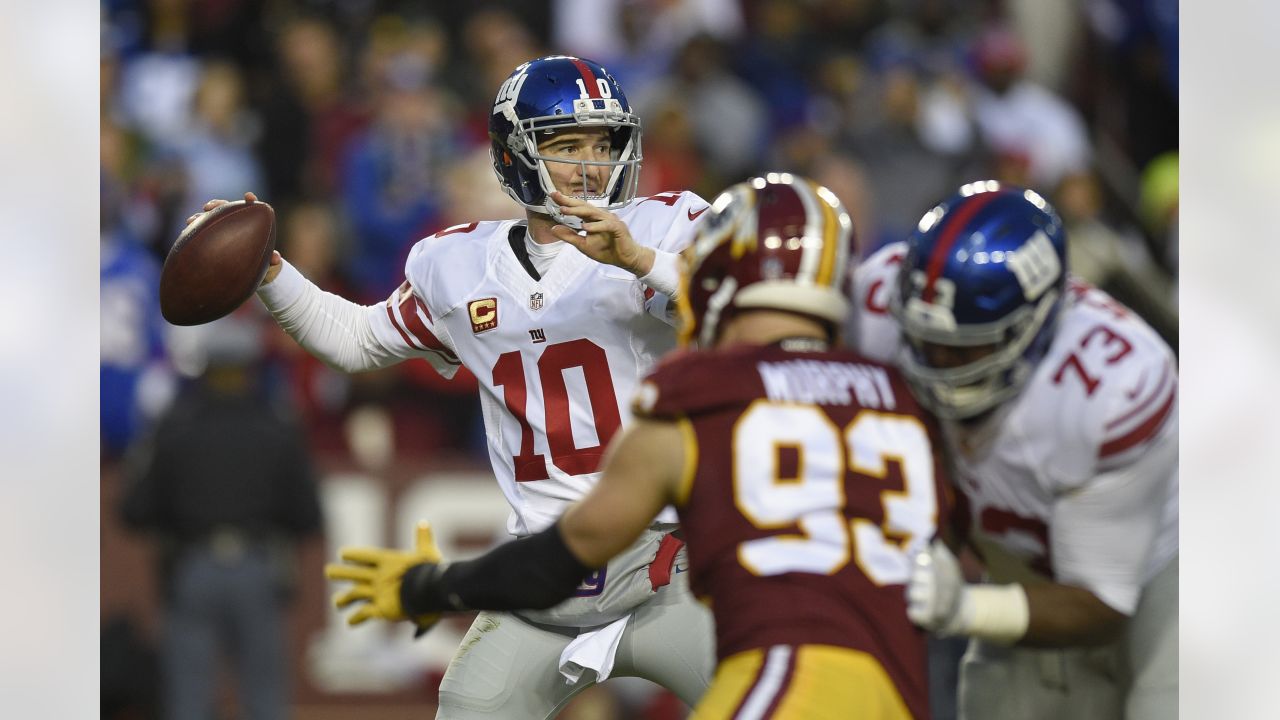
553, 93
982, 284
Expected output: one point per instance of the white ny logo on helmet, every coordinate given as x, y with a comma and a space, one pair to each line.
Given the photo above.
1035, 265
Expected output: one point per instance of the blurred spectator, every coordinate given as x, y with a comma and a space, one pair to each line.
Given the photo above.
934, 34
728, 118
225, 485
846, 24
671, 155
309, 117
1115, 260
1131, 79
494, 41
906, 174
777, 60
1050, 33
309, 236
471, 194
1037, 137
158, 80
636, 39
136, 381
216, 150
393, 173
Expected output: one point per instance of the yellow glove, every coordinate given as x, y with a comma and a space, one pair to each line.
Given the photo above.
377, 573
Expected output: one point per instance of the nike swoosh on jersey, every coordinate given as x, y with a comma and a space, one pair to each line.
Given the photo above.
694, 215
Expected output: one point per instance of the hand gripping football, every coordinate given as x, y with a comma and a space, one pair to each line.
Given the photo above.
217, 262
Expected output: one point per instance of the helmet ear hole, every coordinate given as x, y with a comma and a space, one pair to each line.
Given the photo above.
506, 158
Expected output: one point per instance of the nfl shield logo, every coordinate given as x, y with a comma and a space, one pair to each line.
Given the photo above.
535, 301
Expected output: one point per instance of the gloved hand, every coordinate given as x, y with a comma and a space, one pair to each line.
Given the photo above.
937, 595
377, 574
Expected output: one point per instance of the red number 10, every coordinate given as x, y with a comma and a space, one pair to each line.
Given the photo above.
509, 373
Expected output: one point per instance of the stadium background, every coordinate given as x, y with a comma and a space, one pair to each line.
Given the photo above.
363, 123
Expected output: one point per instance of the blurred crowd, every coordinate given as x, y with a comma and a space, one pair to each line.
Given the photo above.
364, 124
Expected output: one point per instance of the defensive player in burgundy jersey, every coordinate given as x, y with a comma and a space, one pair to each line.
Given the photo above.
558, 316
1060, 408
805, 478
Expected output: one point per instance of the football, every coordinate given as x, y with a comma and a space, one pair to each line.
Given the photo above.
217, 262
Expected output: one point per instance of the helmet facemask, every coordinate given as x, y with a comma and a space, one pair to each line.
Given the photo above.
1020, 340
530, 165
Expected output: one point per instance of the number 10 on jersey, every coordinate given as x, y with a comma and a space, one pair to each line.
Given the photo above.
508, 373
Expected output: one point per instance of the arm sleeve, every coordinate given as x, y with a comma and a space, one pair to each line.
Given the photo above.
1102, 535
530, 573
348, 336
664, 277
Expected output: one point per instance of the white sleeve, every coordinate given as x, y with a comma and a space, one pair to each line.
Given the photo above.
664, 277
1102, 534
343, 334
870, 328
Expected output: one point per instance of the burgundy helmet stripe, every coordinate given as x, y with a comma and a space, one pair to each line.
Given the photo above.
955, 222
588, 78
782, 212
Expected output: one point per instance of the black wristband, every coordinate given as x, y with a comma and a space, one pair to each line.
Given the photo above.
422, 592
531, 573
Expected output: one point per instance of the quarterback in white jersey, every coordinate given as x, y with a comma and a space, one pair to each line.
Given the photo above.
558, 316
1059, 406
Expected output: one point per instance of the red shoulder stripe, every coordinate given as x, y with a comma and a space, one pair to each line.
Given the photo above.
1161, 388
413, 330
1143, 432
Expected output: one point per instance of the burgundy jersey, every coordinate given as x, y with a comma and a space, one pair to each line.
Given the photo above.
812, 479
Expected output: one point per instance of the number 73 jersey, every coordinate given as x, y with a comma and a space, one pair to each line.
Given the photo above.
1075, 479
552, 356
812, 479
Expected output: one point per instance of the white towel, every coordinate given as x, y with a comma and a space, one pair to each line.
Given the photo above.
595, 650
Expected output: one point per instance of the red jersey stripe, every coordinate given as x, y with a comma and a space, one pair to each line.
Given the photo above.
416, 340
660, 568
955, 221
414, 324
1143, 432
1159, 392
395, 323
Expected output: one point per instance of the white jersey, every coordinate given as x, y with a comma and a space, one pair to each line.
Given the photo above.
556, 358
1076, 478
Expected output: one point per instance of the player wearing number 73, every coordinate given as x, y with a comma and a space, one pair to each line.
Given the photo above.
557, 325
1060, 408
804, 476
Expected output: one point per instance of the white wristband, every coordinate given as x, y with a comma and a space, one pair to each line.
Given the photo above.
998, 613
285, 290
664, 276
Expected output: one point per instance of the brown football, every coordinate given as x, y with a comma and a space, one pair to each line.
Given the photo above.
217, 262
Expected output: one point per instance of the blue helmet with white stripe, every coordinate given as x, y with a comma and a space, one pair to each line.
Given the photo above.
978, 296
555, 93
